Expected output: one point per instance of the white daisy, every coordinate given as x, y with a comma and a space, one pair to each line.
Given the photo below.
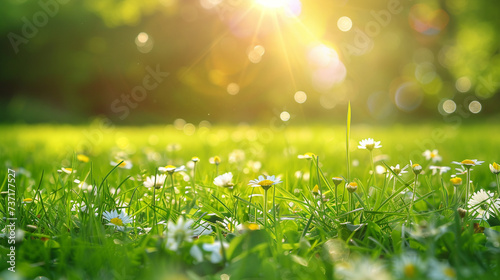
440, 271
306, 156
118, 220
369, 144
178, 233
468, 162
195, 159
442, 169
398, 170
265, 182
203, 228
215, 160
215, 250
172, 169
462, 170
408, 266
125, 164
66, 170
432, 155
155, 181
417, 168
362, 269
495, 168
196, 253
483, 205
224, 180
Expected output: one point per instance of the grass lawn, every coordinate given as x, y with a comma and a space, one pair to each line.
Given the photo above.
89, 206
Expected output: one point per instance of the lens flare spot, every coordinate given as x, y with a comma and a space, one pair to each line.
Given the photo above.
233, 88
463, 84
285, 116
344, 24
320, 55
300, 97
475, 107
449, 106
408, 97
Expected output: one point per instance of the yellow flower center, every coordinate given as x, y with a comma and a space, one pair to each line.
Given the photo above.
253, 226
123, 164
116, 221
354, 184
450, 272
456, 181
415, 165
370, 146
496, 166
216, 159
315, 190
468, 162
409, 270
82, 158
28, 200
433, 155
169, 167
266, 183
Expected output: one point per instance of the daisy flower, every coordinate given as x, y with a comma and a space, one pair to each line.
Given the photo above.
265, 182
214, 160
178, 232
432, 155
172, 169
203, 228
369, 144
27, 200
352, 187
462, 170
398, 170
224, 180
306, 156
440, 271
417, 168
195, 159
155, 181
362, 269
125, 164
66, 170
215, 250
337, 180
441, 169
468, 163
408, 266
456, 181
118, 220
483, 205
196, 253
495, 168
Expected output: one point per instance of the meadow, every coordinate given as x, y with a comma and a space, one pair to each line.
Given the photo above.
157, 202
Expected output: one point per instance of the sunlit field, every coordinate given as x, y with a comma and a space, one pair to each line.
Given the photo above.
249, 139
90, 207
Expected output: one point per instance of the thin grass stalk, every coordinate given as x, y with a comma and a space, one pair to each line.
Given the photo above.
412, 199
265, 209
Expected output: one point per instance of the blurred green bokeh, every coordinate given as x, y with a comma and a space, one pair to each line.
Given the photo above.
235, 61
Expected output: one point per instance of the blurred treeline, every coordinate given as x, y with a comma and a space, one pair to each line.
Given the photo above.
73, 63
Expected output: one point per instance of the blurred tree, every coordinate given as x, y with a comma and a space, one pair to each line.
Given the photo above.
233, 60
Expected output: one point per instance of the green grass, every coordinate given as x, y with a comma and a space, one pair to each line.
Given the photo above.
306, 237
